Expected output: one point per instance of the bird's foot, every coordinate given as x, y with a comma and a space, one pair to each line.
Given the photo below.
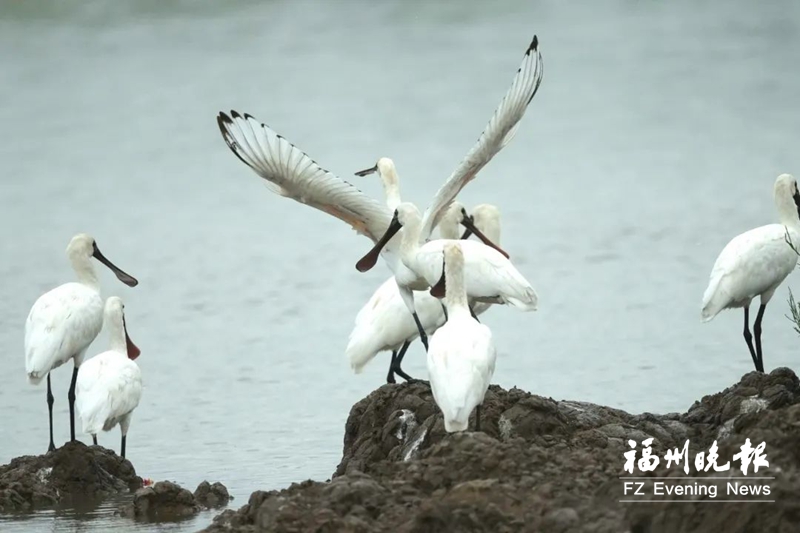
51, 448
400, 372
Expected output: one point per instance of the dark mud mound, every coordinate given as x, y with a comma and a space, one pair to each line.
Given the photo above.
166, 501
210, 495
73, 472
537, 465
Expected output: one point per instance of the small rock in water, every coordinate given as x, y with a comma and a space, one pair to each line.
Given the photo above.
166, 501
208, 495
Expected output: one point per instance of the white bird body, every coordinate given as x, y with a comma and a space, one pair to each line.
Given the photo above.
61, 325
384, 324
108, 389
755, 263
109, 385
461, 355
752, 264
489, 276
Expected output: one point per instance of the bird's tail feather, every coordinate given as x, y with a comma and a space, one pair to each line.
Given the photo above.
714, 300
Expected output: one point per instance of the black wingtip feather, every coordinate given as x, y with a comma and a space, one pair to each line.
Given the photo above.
534, 45
223, 121
248, 116
235, 114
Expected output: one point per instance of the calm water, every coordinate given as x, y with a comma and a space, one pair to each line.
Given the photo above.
656, 137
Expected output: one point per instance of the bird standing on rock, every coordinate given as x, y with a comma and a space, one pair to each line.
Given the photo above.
755, 263
461, 355
64, 321
109, 384
384, 323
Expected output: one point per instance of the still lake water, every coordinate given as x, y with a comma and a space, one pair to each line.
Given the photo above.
655, 138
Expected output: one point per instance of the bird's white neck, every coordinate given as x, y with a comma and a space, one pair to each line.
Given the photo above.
84, 269
409, 246
455, 298
448, 226
391, 188
116, 333
787, 211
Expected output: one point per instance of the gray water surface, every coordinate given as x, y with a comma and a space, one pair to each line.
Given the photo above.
656, 137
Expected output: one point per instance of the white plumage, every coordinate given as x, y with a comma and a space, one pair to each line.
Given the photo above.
292, 173
495, 136
109, 385
489, 275
61, 325
755, 263
289, 172
412, 272
384, 324
461, 356
63, 322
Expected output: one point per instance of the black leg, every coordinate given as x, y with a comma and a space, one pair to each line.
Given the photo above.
757, 331
473, 314
50, 401
71, 398
123, 447
399, 360
94, 440
390, 375
748, 337
478, 418
422, 335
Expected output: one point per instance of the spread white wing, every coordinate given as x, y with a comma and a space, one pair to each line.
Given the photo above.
290, 172
498, 132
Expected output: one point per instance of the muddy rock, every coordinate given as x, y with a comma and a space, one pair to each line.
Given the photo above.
166, 501
538, 465
211, 495
73, 472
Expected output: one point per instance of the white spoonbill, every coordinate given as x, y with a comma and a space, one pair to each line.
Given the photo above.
383, 324
461, 356
64, 321
417, 229
290, 172
755, 263
109, 384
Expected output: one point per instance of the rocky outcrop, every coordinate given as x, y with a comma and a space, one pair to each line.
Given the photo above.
537, 465
70, 473
166, 501
211, 495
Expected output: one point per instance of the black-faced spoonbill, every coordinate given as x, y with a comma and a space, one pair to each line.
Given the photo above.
462, 356
109, 385
755, 263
